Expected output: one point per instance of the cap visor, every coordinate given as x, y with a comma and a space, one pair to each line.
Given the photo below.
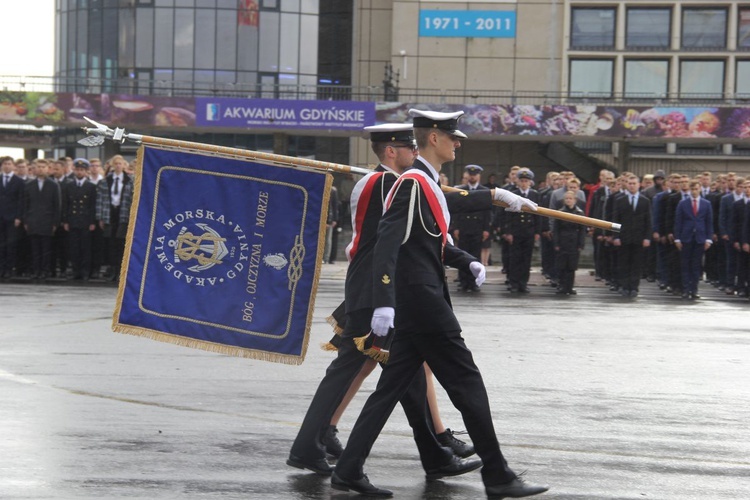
459, 134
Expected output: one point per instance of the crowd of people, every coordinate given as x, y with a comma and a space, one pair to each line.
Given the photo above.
677, 230
64, 219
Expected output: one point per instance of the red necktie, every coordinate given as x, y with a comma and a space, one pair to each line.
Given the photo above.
695, 206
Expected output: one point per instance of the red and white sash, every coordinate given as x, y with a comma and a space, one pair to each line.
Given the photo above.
359, 203
435, 199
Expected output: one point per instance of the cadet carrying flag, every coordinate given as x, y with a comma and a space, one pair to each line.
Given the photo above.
223, 254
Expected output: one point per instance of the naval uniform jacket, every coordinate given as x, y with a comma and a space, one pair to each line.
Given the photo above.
80, 205
365, 218
408, 265
471, 223
523, 224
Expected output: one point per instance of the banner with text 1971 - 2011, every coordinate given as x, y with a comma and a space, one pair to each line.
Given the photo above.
223, 254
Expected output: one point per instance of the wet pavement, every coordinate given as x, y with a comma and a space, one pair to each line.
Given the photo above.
599, 396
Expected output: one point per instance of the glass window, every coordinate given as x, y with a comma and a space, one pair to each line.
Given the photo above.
269, 41
704, 28
646, 78
592, 28
226, 4
164, 3
290, 6
648, 28
183, 38
289, 44
743, 33
247, 47
591, 77
144, 41
205, 38
126, 46
701, 79
308, 52
205, 3
742, 87
268, 86
269, 4
164, 38
63, 37
226, 39
310, 6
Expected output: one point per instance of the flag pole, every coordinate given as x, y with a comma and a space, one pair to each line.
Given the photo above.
99, 132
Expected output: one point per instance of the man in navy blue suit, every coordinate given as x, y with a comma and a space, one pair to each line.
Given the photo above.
693, 227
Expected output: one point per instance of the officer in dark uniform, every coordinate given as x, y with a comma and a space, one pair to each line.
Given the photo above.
522, 229
79, 218
472, 229
395, 148
409, 290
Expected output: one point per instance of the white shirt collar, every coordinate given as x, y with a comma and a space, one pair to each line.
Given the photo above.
387, 168
474, 186
430, 168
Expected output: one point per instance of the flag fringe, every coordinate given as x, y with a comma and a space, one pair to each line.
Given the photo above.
334, 325
208, 346
327, 346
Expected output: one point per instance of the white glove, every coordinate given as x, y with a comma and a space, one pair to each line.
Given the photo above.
382, 320
515, 202
479, 272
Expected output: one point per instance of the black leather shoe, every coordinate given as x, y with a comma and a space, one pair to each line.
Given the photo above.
685, 296
319, 466
460, 448
455, 467
363, 486
332, 443
515, 489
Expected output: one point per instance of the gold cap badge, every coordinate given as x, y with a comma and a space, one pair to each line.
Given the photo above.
386, 279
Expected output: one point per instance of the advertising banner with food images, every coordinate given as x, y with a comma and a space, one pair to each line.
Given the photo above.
223, 254
586, 121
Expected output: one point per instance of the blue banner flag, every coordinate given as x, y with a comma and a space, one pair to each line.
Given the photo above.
223, 254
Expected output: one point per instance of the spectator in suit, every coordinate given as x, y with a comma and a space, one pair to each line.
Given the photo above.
500, 216
681, 192
726, 206
97, 236
41, 217
79, 219
692, 230
739, 212
569, 240
633, 212
595, 206
610, 250
60, 245
11, 207
546, 245
23, 247
111, 194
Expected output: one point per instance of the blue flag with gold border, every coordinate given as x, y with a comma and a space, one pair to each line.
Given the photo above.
223, 254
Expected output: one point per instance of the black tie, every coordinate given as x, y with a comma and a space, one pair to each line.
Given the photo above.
5, 180
632, 202
117, 186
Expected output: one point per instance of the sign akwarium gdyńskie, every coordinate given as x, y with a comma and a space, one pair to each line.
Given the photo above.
223, 254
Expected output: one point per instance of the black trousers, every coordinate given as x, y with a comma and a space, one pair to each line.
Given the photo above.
567, 263
41, 254
630, 263
674, 267
115, 245
548, 257
97, 249
8, 245
80, 251
521, 251
453, 365
60, 250
691, 259
339, 376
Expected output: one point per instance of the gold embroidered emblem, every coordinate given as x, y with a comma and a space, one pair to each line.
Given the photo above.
386, 279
